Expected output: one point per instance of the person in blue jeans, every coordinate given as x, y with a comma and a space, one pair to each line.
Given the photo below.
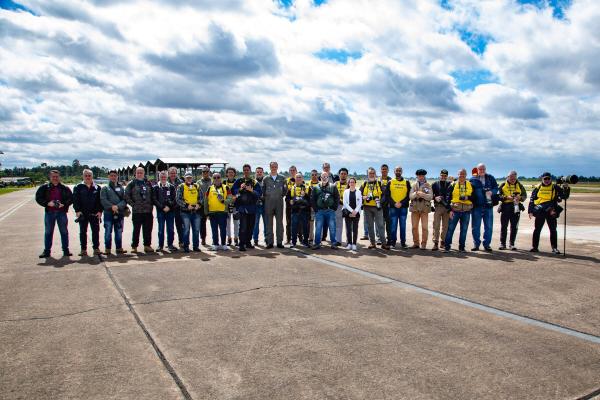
260, 206
114, 205
398, 190
56, 199
459, 200
324, 200
485, 197
189, 200
164, 199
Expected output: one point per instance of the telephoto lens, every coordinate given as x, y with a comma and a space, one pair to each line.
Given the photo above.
570, 179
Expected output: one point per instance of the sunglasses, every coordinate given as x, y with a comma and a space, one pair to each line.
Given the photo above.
547, 178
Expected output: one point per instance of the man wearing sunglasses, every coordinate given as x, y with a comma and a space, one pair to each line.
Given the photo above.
87, 206
543, 205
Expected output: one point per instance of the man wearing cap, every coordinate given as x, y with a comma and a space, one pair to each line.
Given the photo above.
544, 206
398, 191
176, 181
485, 195
164, 199
324, 200
204, 183
115, 207
314, 181
459, 202
138, 195
385, 179
189, 198
420, 207
247, 192
373, 195
87, 206
512, 195
275, 189
441, 215
288, 208
56, 199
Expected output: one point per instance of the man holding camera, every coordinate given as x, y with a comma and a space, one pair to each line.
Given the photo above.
189, 199
385, 179
325, 199
299, 199
138, 195
233, 225
204, 183
341, 185
373, 195
420, 207
485, 196
56, 199
87, 206
397, 193
288, 208
459, 201
544, 206
512, 195
441, 215
247, 192
275, 189
259, 174
216, 206
115, 207
164, 199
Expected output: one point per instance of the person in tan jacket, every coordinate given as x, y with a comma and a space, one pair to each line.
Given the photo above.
420, 196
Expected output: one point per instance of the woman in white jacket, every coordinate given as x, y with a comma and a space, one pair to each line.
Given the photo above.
352, 205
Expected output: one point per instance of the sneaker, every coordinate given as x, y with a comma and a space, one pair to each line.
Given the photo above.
225, 247
534, 250
555, 251
120, 250
349, 247
67, 253
476, 248
45, 254
160, 249
148, 249
512, 247
214, 247
488, 249
502, 247
354, 247
83, 253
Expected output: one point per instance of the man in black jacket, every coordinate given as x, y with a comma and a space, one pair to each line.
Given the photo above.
56, 199
441, 215
138, 195
247, 192
324, 200
176, 181
163, 197
86, 202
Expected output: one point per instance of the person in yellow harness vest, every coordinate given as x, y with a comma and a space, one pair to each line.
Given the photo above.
373, 196
512, 195
298, 197
398, 191
189, 200
385, 179
289, 182
341, 186
420, 207
459, 201
544, 206
216, 205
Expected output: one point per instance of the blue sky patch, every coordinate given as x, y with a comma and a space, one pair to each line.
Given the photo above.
12, 6
319, 2
476, 41
285, 3
338, 55
445, 4
558, 6
469, 80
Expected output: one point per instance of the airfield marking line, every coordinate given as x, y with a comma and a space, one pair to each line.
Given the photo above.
184, 391
14, 208
459, 300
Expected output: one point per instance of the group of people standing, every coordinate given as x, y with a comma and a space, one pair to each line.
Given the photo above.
321, 206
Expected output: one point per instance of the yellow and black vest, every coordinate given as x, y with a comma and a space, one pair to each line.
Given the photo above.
459, 189
190, 194
374, 189
214, 204
545, 194
341, 187
399, 189
508, 190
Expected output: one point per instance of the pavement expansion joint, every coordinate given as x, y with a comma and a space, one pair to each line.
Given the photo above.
184, 391
590, 396
317, 286
460, 300
60, 315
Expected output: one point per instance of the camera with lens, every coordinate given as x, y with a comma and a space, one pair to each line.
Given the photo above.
464, 198
56, 203
370, 197
567, 179
378, 203
79, 219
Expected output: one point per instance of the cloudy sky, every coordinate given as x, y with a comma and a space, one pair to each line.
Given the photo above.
427, 83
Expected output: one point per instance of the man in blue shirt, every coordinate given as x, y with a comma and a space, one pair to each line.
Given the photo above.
485, 197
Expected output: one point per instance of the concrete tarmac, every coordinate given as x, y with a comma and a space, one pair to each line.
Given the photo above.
290, 324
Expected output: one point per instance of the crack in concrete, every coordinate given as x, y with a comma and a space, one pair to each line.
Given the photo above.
59, 315
255, 289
